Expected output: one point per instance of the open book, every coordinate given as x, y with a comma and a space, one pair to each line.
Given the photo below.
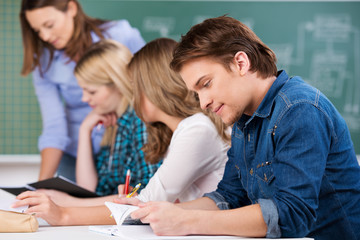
121, 213
57, 183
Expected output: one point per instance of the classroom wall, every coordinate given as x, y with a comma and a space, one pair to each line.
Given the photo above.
318, 40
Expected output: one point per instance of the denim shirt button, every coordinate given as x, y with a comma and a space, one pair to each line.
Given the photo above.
251, 171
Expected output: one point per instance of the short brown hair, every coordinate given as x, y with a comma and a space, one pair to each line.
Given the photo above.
220, 39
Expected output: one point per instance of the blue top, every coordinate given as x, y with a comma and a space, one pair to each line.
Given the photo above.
294, 156
59, 94
126, 154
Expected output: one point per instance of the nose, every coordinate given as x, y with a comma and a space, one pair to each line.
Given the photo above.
85, 97
44, 35
205, 101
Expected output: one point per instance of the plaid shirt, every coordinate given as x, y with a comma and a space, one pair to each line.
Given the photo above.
127, 154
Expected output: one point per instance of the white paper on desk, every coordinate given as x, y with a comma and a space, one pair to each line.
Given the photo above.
105, 229
144, 232
7, 200
120, 211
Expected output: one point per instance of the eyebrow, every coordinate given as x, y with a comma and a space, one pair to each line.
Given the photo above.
199, 80
43, 24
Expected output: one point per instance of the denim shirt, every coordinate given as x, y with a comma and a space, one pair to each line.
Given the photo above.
295, 158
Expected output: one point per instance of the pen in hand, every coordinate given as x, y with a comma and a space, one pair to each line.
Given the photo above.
99, 125
127, 182
134, 190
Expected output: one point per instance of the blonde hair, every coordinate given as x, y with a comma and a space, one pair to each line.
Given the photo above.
105, 63
165, 88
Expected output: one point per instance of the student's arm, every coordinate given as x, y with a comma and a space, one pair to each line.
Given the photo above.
203, 203
43, 207
50, 159
168, 219
54, 137
65, 200
86, 174
301, 151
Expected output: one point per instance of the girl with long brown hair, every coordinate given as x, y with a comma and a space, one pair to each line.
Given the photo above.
192, 144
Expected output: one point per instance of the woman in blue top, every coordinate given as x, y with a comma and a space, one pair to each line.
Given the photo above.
56, 33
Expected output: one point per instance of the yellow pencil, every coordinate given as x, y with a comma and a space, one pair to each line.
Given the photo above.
134, 190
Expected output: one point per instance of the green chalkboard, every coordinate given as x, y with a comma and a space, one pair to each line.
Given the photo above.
319, 41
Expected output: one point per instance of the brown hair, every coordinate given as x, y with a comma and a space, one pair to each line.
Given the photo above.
152, 76
220, 39
105, 63
34, 47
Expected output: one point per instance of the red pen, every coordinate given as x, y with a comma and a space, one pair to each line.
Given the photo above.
127, 182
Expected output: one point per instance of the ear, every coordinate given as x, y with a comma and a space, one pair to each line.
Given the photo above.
242, 62
72, 9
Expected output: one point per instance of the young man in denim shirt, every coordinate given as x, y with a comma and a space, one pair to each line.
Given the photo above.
292, 169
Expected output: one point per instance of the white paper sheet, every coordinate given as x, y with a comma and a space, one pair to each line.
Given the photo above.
120, 211
7, 200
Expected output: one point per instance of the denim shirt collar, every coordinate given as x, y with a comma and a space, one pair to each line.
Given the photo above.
265, 106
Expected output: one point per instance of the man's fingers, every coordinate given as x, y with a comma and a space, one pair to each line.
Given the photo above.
141, 213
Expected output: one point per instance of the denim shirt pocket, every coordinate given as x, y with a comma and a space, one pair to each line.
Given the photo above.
265, 175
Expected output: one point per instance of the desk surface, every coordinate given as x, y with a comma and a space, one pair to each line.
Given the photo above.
82, 232
46, 232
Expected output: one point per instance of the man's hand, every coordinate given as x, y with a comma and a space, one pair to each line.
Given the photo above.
164, 218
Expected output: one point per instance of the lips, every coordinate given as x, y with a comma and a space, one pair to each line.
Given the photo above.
54, 42
218, 109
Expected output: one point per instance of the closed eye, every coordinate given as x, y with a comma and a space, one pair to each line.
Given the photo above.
207, 83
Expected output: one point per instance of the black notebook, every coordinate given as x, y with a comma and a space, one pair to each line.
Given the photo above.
59, 183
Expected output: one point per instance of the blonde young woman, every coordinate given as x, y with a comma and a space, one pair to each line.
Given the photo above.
102, 75
192, 146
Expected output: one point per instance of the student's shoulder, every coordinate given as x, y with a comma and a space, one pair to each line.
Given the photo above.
197, 122
296, 90
117, 27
